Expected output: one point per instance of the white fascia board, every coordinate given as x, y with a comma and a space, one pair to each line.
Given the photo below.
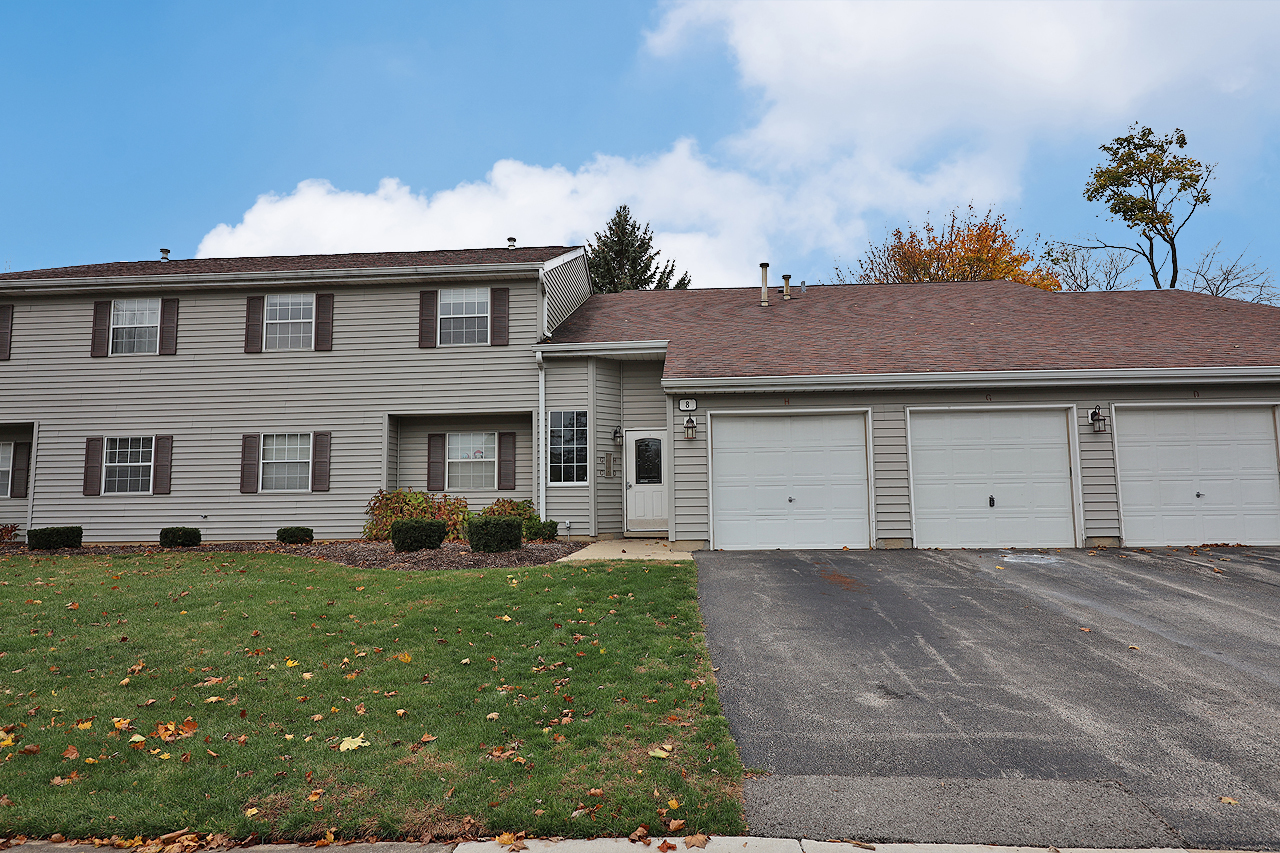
969, 379
563, 259
275, 278
604, 349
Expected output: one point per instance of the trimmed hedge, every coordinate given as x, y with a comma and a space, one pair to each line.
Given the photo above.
544, 530
295, 535
493, 533
49, 538
414, 534
179, 537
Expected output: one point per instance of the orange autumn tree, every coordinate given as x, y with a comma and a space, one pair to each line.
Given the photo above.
964, 249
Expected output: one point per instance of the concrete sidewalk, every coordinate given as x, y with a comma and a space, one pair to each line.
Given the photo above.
634, 549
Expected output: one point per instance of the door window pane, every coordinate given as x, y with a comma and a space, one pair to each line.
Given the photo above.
648, 462
567, 446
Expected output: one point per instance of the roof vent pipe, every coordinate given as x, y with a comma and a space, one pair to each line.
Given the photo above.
802, 287
164, 254
764, 285
786, 286
511, 242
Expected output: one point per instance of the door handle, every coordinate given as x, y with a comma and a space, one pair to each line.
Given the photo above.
628, 484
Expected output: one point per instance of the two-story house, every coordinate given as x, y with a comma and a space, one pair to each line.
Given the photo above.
240, 395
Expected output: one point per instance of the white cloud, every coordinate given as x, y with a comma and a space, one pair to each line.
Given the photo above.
868, 110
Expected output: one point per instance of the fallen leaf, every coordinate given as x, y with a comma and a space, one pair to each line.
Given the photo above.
506, 838
71, 752
400, 712
1135, 648
213, 699
58, 781
666, 847
695, 840
673, 803
427, 738
30, 749
1086, 630
123, 682
211, 752
250, 812
5, 801
315, 795
1231, 801
641, 832
290, 662
677, 824
506, 618
658, 752
360, 709
403, 657
350, 743
492, 717
315, 718
595, 792
466, 661
71, 605
85, 724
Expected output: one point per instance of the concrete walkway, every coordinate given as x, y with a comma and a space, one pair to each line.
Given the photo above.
633, 549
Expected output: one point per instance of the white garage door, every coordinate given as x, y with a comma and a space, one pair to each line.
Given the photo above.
1197, 476
790, 481
992, 479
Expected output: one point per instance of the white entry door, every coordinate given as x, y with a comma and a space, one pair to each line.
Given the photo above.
790, 481
991, 479
1199, 476
646, 485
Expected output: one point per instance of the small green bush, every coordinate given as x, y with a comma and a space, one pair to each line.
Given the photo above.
179, 537
295, 535
387, 507
535, 529
414, 534
493, 533
49, 538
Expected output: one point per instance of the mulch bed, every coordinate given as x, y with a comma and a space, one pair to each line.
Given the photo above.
358, 553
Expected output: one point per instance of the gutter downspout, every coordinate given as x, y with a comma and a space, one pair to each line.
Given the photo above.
540, 452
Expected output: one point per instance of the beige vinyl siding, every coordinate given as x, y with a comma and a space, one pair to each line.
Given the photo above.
212, 392
569, 389
14, 510
892, 483
644, 403
608, 416
411, 472
568, 286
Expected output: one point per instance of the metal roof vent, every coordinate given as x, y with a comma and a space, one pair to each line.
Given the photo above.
511, 242
164, 254
764, 285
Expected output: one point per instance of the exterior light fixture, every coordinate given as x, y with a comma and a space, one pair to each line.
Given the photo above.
690, 427
1099, 419
617, 435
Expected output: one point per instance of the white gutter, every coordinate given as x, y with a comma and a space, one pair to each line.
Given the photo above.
968, 379
540, 451
605, 348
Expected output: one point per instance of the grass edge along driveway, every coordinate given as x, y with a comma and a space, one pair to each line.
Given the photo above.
287, 698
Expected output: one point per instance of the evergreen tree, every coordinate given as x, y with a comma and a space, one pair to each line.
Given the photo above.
622, 257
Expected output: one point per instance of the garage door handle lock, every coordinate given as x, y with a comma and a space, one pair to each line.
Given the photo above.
991, 500
791, 500
1199, 494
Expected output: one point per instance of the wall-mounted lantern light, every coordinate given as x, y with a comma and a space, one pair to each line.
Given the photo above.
617, 435
1099, 419
690, 427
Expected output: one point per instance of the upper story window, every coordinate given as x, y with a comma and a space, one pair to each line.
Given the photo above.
464, 315
6, 467
472, 460
289, 321
127, 464
567, 447
135, 326
286, 462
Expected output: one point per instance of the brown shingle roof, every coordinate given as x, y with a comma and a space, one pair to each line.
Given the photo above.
279, 263
913, 328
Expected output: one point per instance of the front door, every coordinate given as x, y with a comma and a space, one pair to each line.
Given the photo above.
646, 486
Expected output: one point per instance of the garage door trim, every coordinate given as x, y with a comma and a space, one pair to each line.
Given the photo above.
1183, 404
865, 411
1070, 414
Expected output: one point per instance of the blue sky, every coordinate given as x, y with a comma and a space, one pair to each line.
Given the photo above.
743, 132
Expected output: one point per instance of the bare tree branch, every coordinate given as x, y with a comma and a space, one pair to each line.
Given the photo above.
1233, 279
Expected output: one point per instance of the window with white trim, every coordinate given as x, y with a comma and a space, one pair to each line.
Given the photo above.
464, 315
289, 321
135, 326
472, 460
286, 462
6, 467
567, 447
126, 464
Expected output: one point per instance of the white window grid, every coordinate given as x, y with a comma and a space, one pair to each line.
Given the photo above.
286, 462
6, 467
568, 451
288, 321
464, 315
471, 461
127, 464
135, 326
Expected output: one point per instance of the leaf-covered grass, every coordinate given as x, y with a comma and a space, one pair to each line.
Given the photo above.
277, 660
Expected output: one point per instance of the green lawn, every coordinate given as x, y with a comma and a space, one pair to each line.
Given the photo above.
223, 693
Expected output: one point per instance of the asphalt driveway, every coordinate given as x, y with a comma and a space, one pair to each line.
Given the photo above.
1106, 698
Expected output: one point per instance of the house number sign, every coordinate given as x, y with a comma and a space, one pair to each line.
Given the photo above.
688, 405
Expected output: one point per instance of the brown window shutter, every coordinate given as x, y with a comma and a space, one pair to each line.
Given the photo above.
101, 343
427, 307
6, 331
320, 444
168, 327
324, 322
435, 462
162, 464
506, 461
253, 307
249, 445
93, 463
499, 317
21, 470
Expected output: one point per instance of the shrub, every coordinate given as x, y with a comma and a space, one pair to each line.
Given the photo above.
49, 538
544, 530
494, 533
295, 535
414, 534
386, 507
523, 510
179, 537
8, 532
